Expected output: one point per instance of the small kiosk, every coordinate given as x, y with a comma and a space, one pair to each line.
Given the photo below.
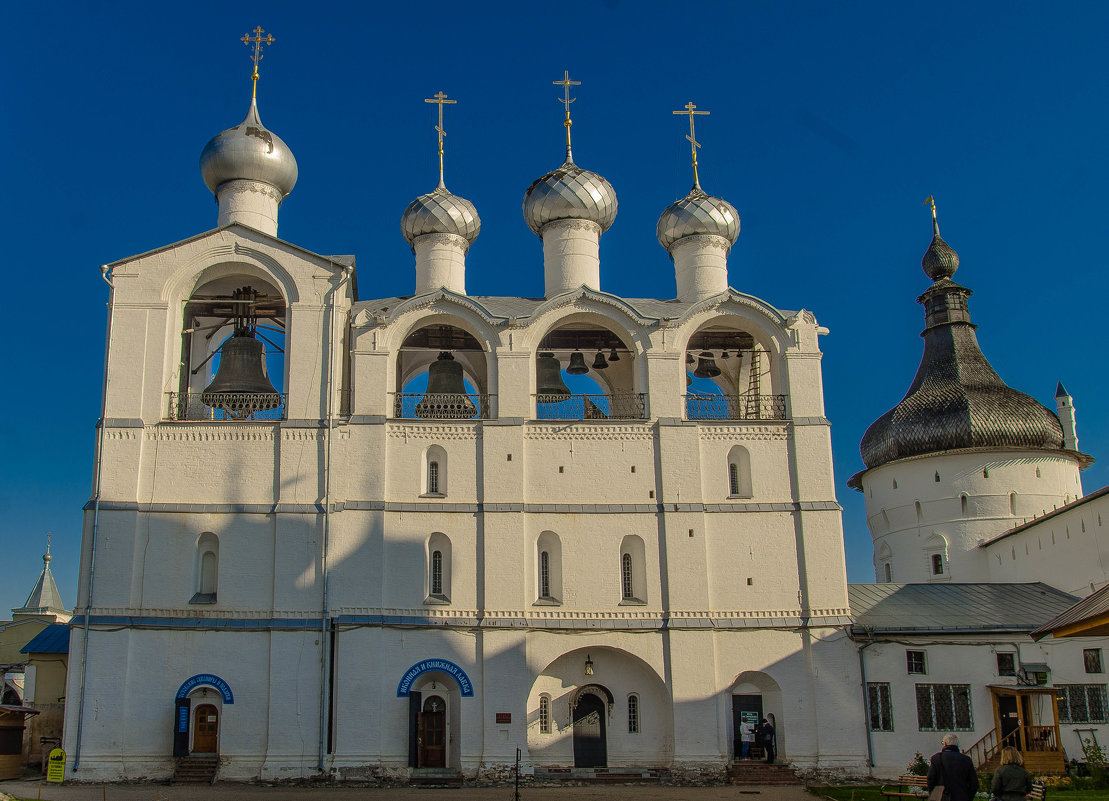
12, 720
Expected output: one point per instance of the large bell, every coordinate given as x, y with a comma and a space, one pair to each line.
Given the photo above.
446, 397
577, 364
706, 366
599, 362
548, 379
241, 385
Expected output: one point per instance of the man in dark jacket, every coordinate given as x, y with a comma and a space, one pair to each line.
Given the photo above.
954, 770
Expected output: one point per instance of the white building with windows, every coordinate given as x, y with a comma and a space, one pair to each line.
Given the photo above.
411, 535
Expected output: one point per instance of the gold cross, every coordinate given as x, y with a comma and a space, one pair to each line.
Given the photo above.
930, 200
566, 100
257, 40
693, 143
440, 99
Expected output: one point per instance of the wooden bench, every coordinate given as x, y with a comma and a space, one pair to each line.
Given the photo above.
909, 785
1039, 790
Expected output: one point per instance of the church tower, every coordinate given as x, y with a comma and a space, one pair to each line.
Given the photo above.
963, 456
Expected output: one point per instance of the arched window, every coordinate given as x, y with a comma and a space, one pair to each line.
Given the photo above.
207, 569
435, 472
438, 569
888, 571
544, 714
963, 503
633, 570
935, 551
633, 714
548, 566
739, 472
919, 512
1012, 503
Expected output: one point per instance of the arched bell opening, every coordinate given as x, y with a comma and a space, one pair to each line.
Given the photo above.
442, 374
586, 372
232, 352
728, 376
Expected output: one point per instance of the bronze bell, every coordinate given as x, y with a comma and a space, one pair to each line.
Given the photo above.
706, 366
446, 397
548, 379
599, 362
577, 364
241, 385
613, 356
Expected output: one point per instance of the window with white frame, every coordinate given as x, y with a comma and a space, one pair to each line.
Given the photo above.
1006, 663
879, 705
633, 714
434, 482
914, 662
432, 478
544, 714
633, 570
739, 472
207, 569
548, 567
438, 568
1082, 703
943, 707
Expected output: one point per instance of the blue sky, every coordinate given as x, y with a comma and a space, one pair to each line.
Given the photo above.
830, 124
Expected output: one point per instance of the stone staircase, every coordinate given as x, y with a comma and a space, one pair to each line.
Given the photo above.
435, 777
760, 773
196, 769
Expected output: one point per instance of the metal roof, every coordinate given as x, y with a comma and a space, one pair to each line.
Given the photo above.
944, 607
1092, 606
54, 639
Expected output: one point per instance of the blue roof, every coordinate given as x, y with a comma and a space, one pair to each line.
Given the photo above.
54, 639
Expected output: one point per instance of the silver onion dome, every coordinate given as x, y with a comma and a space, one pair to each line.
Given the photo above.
251, 152
570, 193
440, 212
697, 214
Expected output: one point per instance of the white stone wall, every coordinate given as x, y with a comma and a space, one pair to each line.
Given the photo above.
979, 494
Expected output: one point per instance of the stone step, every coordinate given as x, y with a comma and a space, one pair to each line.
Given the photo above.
752, 772
196, 770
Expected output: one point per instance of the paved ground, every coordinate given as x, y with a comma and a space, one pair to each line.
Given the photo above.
229, 791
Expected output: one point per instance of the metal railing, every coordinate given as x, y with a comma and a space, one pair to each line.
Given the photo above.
226, 406
735, 407
441, 406
618, 406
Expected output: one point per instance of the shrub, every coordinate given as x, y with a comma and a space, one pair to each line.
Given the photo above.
918, 766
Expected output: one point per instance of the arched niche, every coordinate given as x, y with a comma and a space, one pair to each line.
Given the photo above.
731, 372
426, 390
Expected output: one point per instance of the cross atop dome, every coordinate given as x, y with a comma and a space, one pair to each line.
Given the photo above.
691, 112
566, 100
257, 40
440, 98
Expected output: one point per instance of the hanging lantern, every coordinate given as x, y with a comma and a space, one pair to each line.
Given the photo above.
706, 366
577, 364
599, 363
446, 397
549, 385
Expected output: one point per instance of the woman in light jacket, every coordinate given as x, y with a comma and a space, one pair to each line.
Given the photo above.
1011, 782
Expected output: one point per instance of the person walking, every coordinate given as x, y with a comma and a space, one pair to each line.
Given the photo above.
954, 770
1011, 782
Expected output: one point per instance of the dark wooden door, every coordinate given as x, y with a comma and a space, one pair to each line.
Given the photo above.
433, 733
1010, 720
746, 711
205, 729
590, 748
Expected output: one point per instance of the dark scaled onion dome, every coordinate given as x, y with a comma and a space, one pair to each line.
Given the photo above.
250, 152
697, 214
440, 212
570, 193
956, 400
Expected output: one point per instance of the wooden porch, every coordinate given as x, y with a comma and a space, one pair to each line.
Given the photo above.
1027, 719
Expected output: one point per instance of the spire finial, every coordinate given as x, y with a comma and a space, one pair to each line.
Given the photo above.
257, 40
46, 557
566, 100
690, 111
935, 223
440, 98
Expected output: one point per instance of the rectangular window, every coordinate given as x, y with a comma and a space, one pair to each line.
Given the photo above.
1006, 664
879, 705
633, 714
914, 662
943, 707
433, 478
1091, 657
628, 590
1082, 703
544, 714
937, 564
733, 478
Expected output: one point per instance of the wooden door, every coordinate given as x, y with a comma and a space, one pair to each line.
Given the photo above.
590, 748
206, 729
1009, 719
433, 733
746, 713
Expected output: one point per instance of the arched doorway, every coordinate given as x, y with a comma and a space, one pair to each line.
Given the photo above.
206, 729
590, 715
432, 733
755, 696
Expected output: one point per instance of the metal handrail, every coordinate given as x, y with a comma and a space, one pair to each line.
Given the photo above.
735, 407
617, 406
226, 406
441, 406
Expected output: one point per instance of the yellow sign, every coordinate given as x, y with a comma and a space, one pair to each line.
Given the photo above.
55, 768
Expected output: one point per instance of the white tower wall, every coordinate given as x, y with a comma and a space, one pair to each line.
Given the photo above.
252, 203
700, 266
440, 262
571, 256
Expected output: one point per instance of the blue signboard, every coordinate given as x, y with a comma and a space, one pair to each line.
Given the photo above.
442, 665
182, 719
207, 680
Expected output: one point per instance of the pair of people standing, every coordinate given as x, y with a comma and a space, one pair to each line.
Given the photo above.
955, 771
